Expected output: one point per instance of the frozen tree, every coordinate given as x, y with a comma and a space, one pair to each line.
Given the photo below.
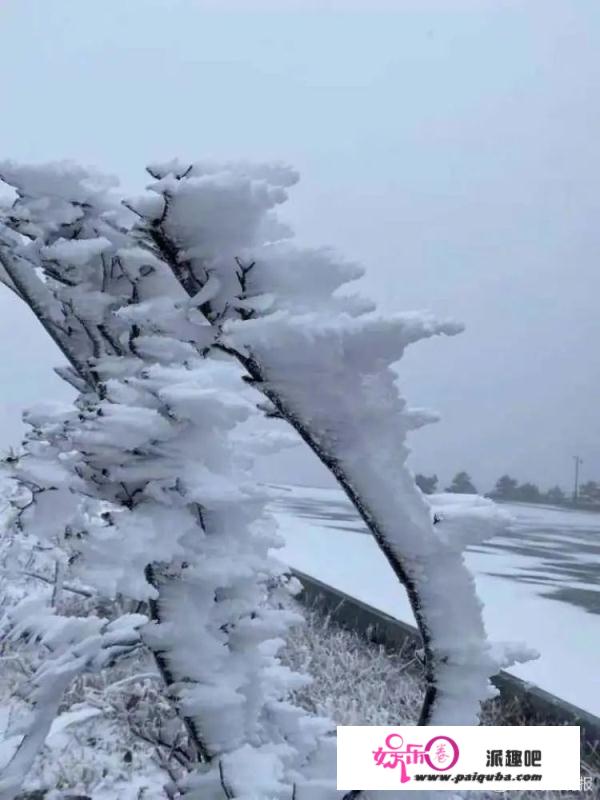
589, 491
528, 493
556, 495
322, 358
505, 488
427, 484
462, 484
136, 493
138, 489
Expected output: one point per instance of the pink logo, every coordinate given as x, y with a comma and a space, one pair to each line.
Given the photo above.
440, 753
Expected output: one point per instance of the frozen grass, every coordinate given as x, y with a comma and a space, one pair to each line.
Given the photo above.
135, 746
356, 682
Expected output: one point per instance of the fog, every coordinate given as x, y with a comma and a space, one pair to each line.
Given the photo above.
451, 147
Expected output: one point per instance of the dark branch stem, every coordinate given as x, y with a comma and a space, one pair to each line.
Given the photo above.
165, 670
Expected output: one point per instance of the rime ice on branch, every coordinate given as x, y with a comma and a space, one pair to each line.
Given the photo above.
139, 492
323, 358
138, 486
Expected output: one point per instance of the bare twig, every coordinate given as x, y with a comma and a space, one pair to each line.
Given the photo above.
68, 587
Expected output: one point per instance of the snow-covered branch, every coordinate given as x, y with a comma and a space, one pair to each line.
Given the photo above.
139, 488
182, 315
323, 359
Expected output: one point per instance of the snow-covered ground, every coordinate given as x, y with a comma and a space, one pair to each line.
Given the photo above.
539, 582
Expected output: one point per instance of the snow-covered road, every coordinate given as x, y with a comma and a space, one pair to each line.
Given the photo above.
540, 582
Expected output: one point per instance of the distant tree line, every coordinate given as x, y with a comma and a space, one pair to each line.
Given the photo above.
509, 489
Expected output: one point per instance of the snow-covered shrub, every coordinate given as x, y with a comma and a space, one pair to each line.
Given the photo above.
322, 358
136, 492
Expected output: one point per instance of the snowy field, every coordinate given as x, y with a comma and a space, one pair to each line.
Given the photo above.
539, 582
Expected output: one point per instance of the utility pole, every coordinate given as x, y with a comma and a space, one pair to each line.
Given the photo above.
578, 462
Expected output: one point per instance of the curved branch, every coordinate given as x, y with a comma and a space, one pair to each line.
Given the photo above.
408, 576
369, 517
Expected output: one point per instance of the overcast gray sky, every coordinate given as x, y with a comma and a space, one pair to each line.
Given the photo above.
451, 146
